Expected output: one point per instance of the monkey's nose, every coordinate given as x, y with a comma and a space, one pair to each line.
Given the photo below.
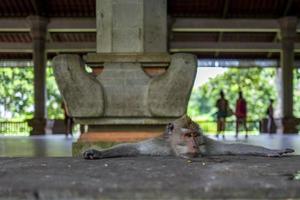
195, 150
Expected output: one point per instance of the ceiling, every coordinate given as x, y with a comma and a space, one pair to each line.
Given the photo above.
206, 9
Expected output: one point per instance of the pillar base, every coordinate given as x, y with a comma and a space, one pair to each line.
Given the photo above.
100, 137
287, 125
40, 126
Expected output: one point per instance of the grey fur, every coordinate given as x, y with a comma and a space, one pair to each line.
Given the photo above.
171, 144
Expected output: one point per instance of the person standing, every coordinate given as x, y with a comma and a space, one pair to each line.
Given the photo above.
241, 114
271, 123
222, 106
69, 123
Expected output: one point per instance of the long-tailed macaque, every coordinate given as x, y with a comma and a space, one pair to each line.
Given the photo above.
182, 138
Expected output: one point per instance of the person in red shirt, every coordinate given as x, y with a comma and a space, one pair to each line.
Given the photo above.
241, 114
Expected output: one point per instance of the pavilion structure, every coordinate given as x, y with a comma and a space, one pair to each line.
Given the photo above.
222, 29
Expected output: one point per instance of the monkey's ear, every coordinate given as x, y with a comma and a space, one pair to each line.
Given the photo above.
170, 128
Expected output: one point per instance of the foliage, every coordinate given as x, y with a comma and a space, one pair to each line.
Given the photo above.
257, 85
53, 97
296, 97
17, 94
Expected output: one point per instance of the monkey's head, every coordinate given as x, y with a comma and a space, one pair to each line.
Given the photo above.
185, 137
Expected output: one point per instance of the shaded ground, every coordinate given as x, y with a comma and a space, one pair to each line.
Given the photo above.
150, 178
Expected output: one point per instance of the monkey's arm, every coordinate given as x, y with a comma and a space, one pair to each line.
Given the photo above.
213, 147
151, 147
119, 150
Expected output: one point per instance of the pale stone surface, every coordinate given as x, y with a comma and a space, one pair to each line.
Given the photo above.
155, 25
120, 26
82, 92
104, 26
131, 34
222, 177
125, 86
126, 120
131, 26
123, 90
150, 58
170, 92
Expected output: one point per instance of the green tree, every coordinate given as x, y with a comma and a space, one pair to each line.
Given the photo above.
296, 97
53, 97
17, 94
257, 85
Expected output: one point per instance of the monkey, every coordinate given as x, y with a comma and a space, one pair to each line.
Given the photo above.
182, 138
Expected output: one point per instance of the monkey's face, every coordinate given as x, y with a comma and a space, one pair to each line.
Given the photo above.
190, 139
185, 143
185, 137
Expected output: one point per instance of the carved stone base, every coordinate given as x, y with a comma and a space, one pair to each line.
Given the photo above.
99, 137
123, 89
287, 125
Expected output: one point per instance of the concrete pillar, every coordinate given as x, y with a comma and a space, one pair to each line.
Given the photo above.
286, 122
38, 32
131, 26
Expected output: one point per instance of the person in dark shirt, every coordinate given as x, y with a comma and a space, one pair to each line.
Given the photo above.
241, 114
222, 106
68, 120
271, 128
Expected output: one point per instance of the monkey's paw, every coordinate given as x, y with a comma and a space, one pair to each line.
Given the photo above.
91, 154
281, 152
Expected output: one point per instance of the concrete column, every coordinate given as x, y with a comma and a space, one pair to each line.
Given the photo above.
131, 26
286, 122
38, 32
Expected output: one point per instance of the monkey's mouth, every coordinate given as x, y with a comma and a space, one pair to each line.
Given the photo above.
192, 155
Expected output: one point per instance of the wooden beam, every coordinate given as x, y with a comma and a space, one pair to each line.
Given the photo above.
224, 14
9, 47
174, 47
50, 47
87, 24
225, 25
71, 47
14, 25
55, 25
274, 40
228, 47
225, 47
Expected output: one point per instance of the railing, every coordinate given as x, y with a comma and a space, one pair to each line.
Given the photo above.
210, 127
14, 128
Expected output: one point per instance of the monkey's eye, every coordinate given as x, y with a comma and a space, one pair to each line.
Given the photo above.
193, 134
188, 135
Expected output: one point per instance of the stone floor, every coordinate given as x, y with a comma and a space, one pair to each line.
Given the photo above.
41, 168
150, 178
